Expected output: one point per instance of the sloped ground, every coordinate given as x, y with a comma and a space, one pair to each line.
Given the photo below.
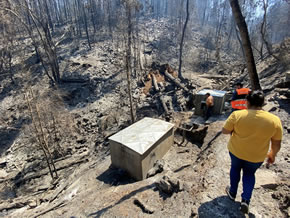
88, 187
101, 191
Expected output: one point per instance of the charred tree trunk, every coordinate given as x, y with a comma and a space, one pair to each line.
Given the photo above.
240, 42
93, 11
182, 40
56, 10
10, 66
86, 26
48, 16
204, 13
155, 82
250, 61
230, 35
45, 41
39, 133
179, 84
128, 60
263, 33
65, 9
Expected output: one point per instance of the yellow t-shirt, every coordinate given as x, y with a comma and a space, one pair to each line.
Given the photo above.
252, 132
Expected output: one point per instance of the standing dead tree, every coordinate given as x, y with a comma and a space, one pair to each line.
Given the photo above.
40, 35
263, 32
6, 62
182, 40
128, 59
50, 126
8, 45
250, 61
130, 7
40, 132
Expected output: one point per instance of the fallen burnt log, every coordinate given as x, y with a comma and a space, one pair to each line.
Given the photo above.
152, 75
175, 80
155, 83
157, 75
67, 80
172, 75
161, 82
163, 102
153, 78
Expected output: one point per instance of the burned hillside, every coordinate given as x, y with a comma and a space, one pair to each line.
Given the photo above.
65, 91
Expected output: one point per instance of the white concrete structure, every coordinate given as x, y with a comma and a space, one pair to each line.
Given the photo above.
136, 148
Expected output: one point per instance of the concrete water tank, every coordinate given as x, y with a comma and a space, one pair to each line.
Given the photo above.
136, 148
219, 101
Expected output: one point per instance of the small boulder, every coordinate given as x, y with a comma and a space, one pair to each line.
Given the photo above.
32, 204
170, 185
158, 167
3, 174
81, 140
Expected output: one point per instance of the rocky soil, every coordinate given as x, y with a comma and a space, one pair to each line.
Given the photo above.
188, 182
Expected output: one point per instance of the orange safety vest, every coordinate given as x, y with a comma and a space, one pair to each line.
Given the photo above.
243, 91
240, 103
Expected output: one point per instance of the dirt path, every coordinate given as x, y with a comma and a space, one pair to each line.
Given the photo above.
269, 183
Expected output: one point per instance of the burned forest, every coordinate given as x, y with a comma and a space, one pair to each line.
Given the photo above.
119, 108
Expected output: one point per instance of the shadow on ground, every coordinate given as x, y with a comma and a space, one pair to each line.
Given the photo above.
82, 90
126, 197
7, 138
115, 176
221, 207
284, 104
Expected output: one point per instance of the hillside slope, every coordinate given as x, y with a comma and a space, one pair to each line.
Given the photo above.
197, 172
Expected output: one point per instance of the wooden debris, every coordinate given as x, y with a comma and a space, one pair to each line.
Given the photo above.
145, 208
163, 102
58, 205
148, 84
157, 76
155, 83
60, 166
15, 205
175, 81
158, 167
170, 185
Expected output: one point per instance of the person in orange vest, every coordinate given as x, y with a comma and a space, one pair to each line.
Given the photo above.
239, 101
209, 105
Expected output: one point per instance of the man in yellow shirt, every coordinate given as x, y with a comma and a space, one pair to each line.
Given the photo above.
251, 131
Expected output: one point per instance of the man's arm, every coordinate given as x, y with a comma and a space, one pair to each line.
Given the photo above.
228, 128
234, 96
225, 131
275, 148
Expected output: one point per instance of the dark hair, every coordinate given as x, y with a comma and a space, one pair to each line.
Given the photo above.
239, 84
207, 94
256, 98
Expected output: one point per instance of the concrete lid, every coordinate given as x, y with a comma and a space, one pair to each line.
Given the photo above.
216, 93
141, 135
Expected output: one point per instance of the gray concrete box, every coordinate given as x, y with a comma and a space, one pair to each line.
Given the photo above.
136, 148
219, 101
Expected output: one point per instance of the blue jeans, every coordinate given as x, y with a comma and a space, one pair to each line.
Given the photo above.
209, 110
249, 170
